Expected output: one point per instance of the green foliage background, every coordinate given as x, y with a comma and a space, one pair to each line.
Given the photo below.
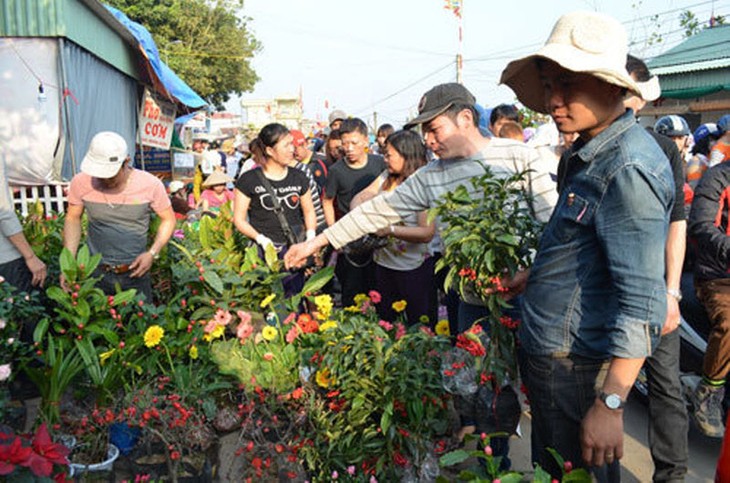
206, 43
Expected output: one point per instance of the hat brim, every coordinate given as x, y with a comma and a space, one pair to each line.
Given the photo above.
216, 179
523, 75
100, 169
427, 116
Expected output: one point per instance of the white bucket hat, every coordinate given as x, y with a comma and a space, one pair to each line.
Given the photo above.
105, 156
585, 42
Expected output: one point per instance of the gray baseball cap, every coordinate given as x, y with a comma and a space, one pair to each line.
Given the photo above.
440, 98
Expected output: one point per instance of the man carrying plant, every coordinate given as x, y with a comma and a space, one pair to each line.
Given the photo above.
118, 200
595, 300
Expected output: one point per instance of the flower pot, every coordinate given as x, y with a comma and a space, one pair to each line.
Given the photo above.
124, 437
106, 465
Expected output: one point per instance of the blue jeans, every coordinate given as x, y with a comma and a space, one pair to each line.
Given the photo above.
561, 390
668, 425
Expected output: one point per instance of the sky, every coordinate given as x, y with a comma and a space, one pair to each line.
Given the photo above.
375, 58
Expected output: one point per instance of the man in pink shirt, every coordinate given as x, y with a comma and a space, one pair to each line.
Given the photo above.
118, 201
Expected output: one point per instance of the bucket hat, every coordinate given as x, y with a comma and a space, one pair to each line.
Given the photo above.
217, 178
337, 115
585, 42
107, 152
438, 100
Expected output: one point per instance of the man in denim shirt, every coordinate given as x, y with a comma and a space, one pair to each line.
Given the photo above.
595, 299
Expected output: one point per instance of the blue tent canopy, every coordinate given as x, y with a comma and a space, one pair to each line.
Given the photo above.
175, 86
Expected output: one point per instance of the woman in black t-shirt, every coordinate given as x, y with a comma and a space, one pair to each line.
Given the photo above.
253, 207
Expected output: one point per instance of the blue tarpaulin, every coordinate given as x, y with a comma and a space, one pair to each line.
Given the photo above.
175, 86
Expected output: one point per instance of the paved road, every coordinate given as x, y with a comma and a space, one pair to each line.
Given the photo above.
636, 464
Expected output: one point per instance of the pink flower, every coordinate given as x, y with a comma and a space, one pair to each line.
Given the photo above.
222, 317
385, 325
244, 331
427, 330
292, 334
268, 356
290, 318
335, 475
5, 371
400, 330
210, 326
375, 296
179, 234
351, 470
244, 316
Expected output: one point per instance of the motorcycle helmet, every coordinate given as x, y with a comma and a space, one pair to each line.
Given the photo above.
672, 126
707, 129
723, 124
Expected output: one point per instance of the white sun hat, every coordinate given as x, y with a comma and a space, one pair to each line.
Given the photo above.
585, 42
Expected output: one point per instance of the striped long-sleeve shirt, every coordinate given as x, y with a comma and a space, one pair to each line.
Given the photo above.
423, 189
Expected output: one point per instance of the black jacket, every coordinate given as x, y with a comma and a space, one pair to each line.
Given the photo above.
708, 224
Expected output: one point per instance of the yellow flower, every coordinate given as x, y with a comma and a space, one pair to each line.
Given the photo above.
399, 306
268, 300
106, 355
330, 324
269, 333
442, 328
153, 335
324, 306
217, 332
352, 308
324, 378
424, 319
360, 299
193, 352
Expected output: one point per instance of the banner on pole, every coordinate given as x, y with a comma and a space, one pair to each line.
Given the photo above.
454, 6
156, 121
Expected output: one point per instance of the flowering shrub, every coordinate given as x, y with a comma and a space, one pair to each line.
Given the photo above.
490, 234
36, 458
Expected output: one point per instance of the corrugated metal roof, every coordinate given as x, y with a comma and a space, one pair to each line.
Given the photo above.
707, 45
693, 67
32, 18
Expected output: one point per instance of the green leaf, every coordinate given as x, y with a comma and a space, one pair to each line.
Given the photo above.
68, 264
40, 330
318, 280
213, 280
454, 457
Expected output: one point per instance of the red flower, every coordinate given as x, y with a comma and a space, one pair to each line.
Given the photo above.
297, 393
375, 296
307, 324
399, 459
472, 347
175, 455
13, 455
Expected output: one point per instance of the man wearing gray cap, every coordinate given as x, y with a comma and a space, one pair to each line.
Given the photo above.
118, 200
450, 125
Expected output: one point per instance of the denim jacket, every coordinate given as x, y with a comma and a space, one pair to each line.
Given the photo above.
597, 288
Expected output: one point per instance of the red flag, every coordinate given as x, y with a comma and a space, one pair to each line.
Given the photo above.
326, 104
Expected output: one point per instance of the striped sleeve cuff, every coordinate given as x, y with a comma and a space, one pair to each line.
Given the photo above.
369, 217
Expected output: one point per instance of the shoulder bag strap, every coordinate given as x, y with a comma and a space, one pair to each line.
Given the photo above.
277, 207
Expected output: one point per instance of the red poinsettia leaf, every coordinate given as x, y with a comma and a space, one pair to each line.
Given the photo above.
6, 468
42, 438
47, 449
15, 453
39, 465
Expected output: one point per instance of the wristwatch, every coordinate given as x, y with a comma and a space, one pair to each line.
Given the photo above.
154, 253
676, 294
612, 401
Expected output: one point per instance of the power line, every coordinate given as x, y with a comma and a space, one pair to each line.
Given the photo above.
450, 64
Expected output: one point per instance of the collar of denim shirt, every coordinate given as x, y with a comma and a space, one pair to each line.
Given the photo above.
587, 152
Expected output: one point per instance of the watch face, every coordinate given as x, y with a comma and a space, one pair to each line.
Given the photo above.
613, 401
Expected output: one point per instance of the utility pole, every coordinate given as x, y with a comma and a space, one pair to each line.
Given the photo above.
375, 120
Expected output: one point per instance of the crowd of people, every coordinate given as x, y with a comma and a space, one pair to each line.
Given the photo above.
601, 300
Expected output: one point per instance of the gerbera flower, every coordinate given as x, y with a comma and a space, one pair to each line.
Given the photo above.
399, 306
153, 335
442, 327
269, 333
